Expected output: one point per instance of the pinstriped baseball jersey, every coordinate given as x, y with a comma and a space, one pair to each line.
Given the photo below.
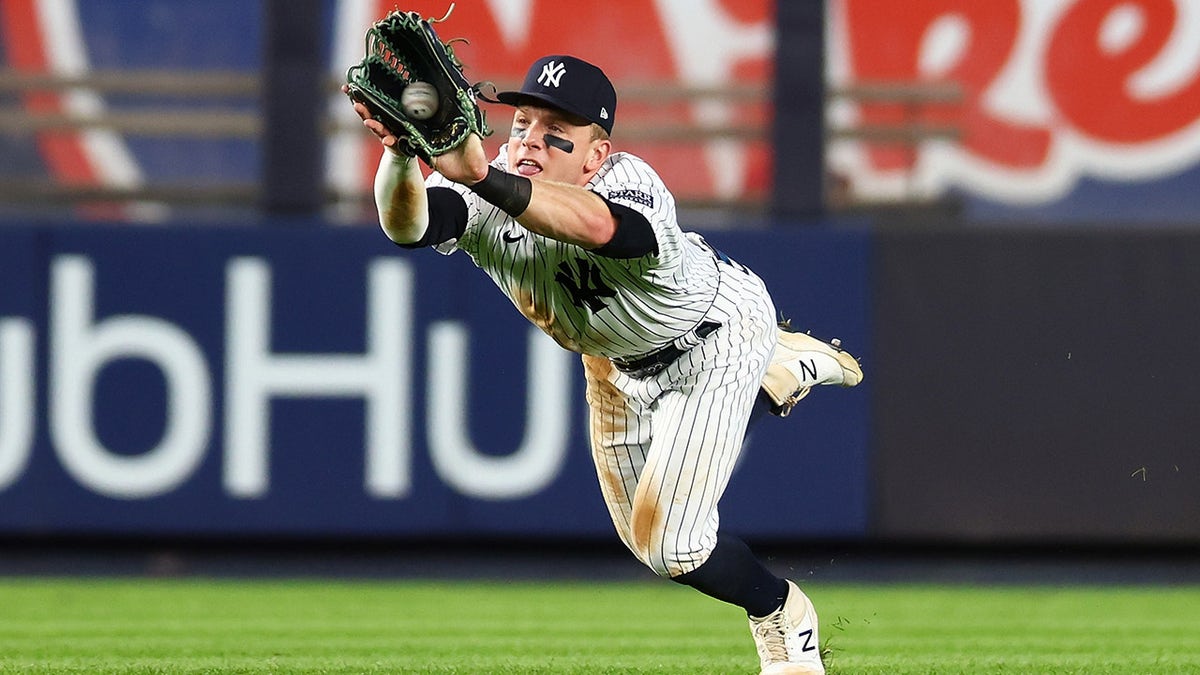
590, 303
666, 446
674, 341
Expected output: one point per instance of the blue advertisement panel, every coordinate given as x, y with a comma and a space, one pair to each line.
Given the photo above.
304, 380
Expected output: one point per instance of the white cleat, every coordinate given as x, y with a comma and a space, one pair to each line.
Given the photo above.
802, 362
787, 638
815, 362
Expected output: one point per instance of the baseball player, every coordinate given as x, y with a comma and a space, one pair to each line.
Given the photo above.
678, 340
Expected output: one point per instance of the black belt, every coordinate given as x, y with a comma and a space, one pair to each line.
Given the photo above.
654, 362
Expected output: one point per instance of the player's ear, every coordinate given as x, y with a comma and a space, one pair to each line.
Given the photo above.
598, 151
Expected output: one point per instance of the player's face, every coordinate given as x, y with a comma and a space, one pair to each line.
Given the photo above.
547, 144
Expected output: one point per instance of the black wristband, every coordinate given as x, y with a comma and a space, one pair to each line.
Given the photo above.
507, 190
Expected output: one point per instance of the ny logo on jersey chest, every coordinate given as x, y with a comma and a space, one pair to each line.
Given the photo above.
584, 284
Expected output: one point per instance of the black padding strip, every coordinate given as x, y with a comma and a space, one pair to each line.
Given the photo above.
634, 237
447, 217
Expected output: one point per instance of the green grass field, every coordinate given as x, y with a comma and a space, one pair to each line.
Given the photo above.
200, 626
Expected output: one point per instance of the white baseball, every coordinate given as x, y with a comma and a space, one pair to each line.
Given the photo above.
419, 100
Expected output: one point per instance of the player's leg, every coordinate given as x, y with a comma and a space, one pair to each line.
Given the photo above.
620, 436
698, 432
733, 574
686, 543
623, 433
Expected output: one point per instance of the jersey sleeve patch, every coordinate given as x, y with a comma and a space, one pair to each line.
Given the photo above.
633, 197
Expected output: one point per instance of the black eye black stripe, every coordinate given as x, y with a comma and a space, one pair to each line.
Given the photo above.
550, 139
560, 143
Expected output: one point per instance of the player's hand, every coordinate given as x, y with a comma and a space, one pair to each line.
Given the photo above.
385, 135
466, 163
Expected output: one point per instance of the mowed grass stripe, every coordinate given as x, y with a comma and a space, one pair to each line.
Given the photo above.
1039, 629
311, 626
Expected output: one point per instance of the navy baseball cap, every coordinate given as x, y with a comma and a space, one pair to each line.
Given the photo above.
569, 84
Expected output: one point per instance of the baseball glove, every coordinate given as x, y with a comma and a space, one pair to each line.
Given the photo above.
403, 48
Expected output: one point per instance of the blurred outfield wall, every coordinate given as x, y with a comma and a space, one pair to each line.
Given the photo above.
1030, 361
1080, 111
316, 381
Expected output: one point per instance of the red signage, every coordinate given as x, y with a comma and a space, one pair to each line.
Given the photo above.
651, 49
1053, 90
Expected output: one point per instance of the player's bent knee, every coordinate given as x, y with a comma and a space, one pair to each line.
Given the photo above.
661, 548
671, 561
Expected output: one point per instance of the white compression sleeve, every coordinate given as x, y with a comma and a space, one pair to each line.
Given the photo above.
400, 198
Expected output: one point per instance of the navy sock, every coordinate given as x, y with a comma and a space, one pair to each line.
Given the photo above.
762, 406
732, 574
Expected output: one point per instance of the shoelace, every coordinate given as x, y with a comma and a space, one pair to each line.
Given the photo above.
770, 636
791, 401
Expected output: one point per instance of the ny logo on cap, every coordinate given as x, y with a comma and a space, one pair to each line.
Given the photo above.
552, 73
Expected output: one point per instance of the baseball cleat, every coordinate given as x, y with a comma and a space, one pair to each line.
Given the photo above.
802, 362
787, 639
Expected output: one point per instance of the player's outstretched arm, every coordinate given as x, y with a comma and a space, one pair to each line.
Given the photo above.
400, 198
399, 187
560, 211
568, 213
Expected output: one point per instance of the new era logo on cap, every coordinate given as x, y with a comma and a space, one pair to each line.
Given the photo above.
570, 84
552, 73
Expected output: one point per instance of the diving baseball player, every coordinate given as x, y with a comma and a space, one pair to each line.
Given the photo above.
679, 342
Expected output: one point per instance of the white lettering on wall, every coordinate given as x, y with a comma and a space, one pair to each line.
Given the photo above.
254, 375
81, 345
538, 460
80, 349
16, 398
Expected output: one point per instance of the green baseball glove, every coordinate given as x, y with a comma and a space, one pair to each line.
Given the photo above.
401, 49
